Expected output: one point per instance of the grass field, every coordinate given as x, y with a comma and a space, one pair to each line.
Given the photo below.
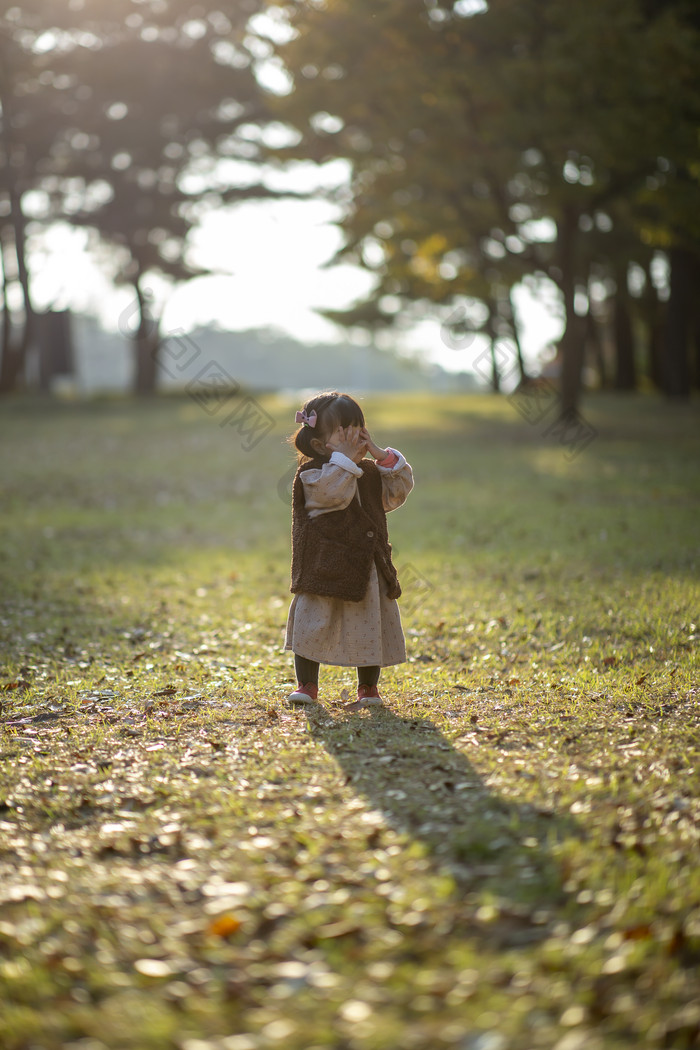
504, 858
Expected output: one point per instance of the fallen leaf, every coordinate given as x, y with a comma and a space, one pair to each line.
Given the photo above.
224, 926
637, 933
342, 928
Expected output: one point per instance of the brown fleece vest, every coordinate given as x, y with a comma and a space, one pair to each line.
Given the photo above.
332, 554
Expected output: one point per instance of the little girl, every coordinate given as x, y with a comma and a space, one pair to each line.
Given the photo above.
345, 586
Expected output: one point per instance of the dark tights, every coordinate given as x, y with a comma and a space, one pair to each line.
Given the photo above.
307, 671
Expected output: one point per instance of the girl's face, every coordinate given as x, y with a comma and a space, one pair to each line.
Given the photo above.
350, 440
338, 425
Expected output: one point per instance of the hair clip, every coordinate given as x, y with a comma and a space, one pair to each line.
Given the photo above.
309, 421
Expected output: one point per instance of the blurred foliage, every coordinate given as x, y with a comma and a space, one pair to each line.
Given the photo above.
489, 145
465, 124
116, 117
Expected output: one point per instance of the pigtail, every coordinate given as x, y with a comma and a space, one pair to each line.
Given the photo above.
302, 443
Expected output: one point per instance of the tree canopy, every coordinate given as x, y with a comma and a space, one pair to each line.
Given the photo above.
467, 124
117, 117
489, 144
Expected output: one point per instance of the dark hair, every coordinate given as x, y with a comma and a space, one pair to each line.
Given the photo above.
332, 410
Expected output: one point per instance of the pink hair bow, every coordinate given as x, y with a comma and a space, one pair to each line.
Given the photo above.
310, 420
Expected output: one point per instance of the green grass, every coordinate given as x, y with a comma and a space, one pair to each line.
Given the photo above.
505, 858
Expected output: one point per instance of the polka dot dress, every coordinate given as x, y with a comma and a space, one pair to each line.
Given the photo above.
334, 631
349, 634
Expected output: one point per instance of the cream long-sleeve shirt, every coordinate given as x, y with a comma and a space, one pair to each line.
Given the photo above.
333, 486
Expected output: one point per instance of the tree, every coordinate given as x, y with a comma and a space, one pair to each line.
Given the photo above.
466, 124
153, 96
669, 219
29, 117
421, 215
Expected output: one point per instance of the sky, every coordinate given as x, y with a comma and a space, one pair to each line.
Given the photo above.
269, 260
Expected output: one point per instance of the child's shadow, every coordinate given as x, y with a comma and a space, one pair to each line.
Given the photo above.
425, 787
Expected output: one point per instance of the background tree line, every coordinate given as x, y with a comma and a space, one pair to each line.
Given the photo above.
116, 117
488, 145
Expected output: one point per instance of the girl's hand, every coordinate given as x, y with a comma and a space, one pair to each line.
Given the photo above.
374, 450
349, 441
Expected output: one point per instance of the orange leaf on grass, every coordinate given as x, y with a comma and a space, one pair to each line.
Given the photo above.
637, 933
224, 926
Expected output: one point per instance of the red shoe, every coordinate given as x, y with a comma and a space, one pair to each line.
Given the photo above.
303, 694
368, 694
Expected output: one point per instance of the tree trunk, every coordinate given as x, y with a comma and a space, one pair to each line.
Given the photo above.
676, 355
594, 340
695, 325
491, 332
14, 357
625, 365
653, 320
655, 336
6, 327
10, 366
146, 347
513, 319
572, 340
